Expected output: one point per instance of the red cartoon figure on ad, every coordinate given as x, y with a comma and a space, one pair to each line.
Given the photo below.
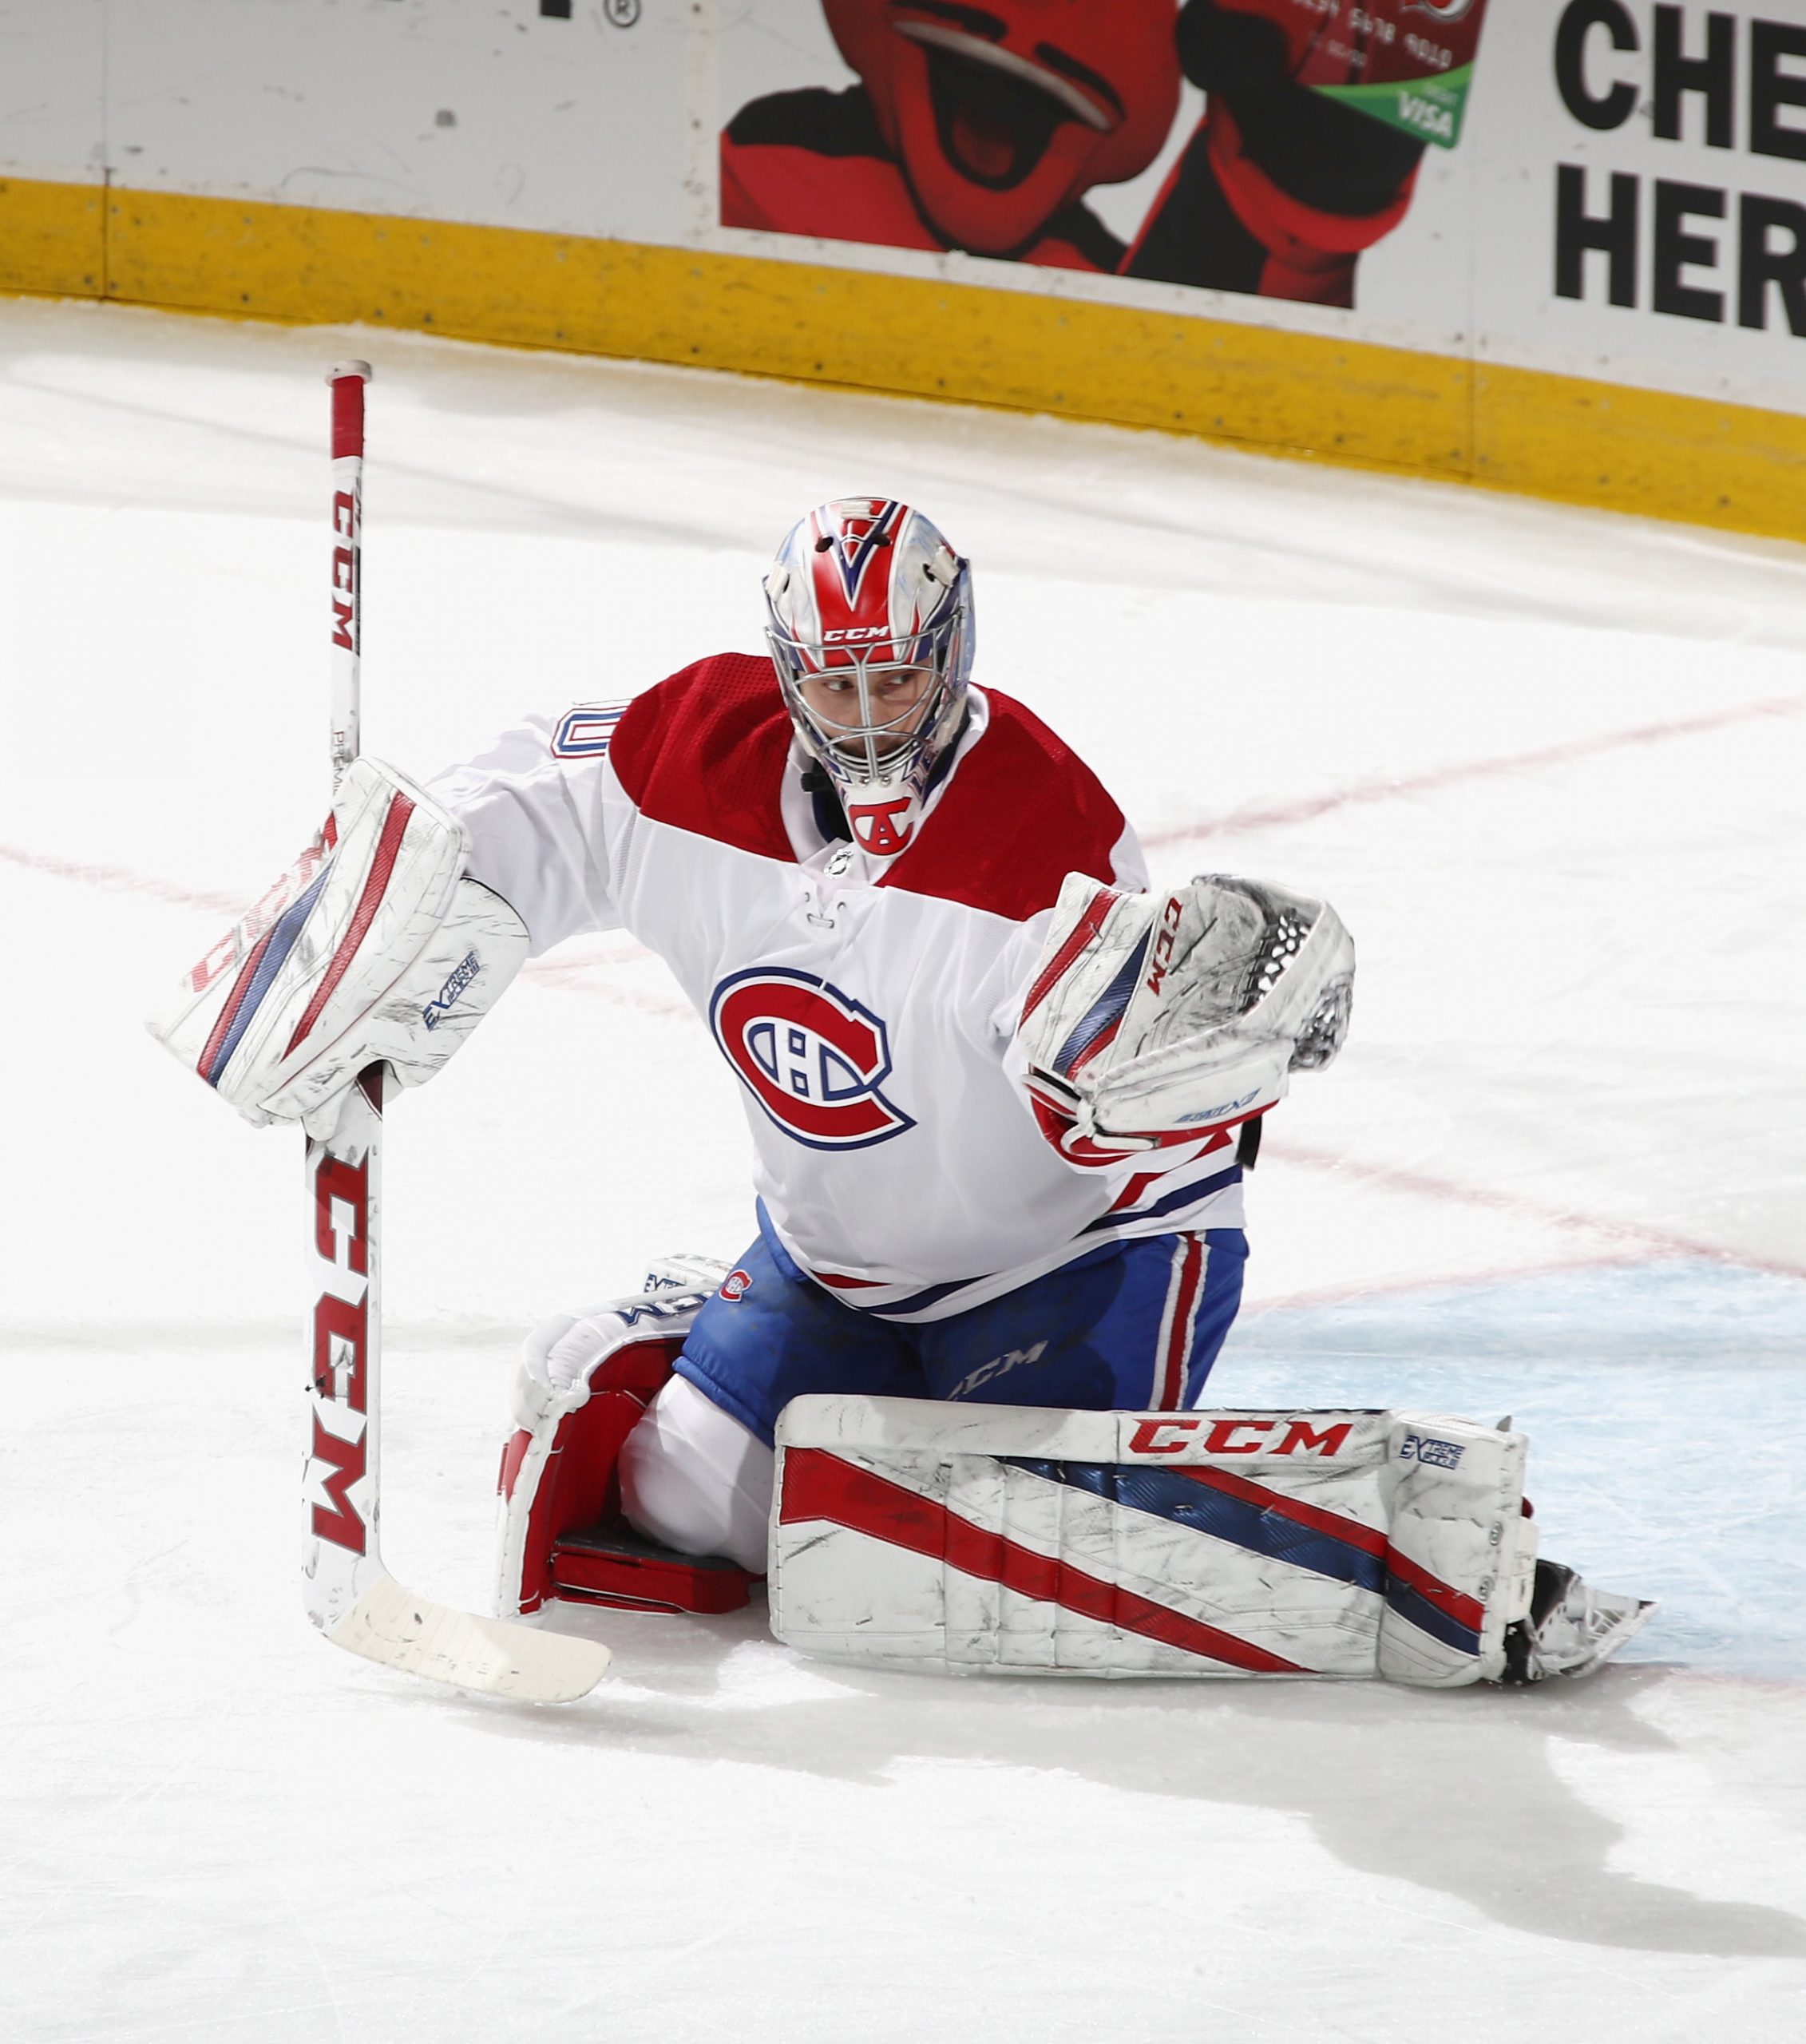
983, 129
972, 128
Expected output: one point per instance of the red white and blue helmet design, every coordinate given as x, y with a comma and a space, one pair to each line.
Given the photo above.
865, 596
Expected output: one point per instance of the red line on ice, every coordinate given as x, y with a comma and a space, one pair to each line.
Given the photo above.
1381, 1288
1664, 1240
119, 880
1257, 816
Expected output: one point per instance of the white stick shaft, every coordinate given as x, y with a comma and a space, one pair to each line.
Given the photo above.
344, 1333
348, 380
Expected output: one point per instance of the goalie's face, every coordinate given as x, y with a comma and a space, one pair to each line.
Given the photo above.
881, 707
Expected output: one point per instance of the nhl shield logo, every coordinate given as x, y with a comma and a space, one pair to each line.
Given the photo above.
812, 1059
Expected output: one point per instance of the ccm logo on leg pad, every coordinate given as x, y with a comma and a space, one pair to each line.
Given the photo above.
1233, 1437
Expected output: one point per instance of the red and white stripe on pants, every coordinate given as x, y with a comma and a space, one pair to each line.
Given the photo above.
1172, 1353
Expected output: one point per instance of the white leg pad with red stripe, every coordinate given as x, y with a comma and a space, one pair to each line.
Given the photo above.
1013, 1539
371, 949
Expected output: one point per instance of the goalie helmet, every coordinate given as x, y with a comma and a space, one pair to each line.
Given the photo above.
869, 618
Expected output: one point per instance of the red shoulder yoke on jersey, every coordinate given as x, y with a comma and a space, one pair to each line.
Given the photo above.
707, 750
1021, 811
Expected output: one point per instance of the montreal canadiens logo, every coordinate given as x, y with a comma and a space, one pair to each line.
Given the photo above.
812, 1059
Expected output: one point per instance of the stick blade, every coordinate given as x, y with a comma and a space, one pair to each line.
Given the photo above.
494, 1657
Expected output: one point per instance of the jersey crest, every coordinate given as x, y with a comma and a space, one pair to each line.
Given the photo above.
812, 1058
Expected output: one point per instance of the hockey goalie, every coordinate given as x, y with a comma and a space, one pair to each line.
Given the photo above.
1003, 1100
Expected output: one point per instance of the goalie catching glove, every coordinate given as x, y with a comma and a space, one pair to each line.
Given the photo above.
371, 949
1153, 1018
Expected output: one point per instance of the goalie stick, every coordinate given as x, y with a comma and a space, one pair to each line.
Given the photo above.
349, 1594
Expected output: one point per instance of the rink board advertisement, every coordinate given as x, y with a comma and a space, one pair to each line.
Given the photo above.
1556, 244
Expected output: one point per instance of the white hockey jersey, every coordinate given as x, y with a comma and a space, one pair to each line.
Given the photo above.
868, 1006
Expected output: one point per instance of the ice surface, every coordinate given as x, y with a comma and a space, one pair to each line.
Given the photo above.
1549, 766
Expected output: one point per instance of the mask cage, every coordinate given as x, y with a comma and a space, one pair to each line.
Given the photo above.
867, 753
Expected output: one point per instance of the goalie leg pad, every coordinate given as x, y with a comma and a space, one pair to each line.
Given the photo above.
1340, 1543
583, 1384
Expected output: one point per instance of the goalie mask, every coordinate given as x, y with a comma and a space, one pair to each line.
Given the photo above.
869, 623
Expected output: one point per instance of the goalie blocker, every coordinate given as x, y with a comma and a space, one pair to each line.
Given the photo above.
372, 948
1012, 1540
